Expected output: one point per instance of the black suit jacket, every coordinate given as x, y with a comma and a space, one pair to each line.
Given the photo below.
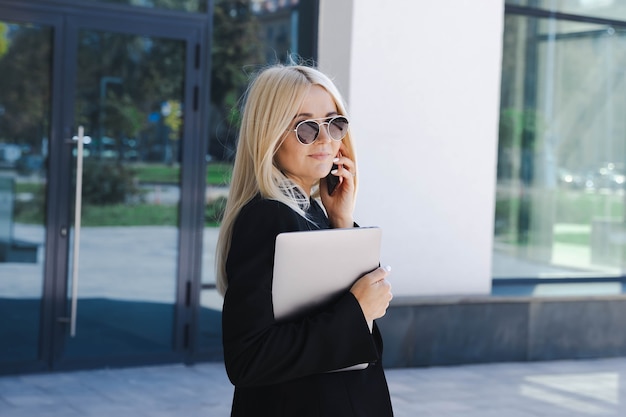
281, 368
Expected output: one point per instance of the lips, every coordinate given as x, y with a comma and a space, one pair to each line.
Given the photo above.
320, 155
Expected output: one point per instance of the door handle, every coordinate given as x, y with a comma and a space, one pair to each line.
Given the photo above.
81, 139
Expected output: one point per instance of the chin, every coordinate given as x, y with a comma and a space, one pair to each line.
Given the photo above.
323, 174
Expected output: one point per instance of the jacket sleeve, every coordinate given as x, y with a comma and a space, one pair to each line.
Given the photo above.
258, 350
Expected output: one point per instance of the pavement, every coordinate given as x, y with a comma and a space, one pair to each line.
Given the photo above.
529, 389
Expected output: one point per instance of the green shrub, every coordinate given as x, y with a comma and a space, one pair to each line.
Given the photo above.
106, 183
31, 211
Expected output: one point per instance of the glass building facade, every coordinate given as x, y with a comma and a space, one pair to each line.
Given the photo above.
560, 201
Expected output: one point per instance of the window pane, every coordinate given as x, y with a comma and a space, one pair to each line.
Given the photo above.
246, 36
129, 95
561, 157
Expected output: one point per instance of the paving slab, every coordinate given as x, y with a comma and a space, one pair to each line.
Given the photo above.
529, 389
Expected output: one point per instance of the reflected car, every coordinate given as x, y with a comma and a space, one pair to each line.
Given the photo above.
608, 176
572, 180
30, 164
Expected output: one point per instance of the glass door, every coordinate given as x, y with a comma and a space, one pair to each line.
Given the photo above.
129, 95
110, 280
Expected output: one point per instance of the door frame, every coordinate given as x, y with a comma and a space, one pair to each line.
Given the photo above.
66, 18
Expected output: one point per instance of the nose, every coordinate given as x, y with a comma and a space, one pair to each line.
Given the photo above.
324, 133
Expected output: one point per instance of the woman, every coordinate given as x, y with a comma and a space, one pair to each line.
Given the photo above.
294, 131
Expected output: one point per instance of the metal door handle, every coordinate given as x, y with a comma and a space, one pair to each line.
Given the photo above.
81, 139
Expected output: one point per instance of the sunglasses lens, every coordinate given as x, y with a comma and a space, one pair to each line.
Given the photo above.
307, 132
338, 128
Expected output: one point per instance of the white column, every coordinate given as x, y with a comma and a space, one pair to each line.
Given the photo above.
422, 81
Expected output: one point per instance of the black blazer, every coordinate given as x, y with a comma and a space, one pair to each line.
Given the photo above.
281, 368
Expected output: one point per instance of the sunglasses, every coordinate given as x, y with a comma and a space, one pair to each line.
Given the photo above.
307, 131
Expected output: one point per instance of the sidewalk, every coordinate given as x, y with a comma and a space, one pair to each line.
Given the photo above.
533, 389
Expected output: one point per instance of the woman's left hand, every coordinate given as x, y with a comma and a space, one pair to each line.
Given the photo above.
340, 205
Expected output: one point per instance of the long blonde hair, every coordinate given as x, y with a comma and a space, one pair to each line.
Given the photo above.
272, 101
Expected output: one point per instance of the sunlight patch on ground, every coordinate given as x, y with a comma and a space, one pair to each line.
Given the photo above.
593, 393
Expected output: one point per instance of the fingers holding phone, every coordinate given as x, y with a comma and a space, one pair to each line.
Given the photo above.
343, 168
338, 199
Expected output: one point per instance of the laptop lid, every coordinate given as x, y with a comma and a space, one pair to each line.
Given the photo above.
311, 267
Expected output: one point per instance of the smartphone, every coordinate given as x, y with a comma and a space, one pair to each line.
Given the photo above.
332, 181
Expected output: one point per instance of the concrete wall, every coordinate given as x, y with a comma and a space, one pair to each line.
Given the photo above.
422, 83
447, 331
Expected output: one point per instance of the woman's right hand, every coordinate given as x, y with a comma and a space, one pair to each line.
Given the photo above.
373, 292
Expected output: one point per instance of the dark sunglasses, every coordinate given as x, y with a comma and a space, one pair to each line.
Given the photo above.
307, 131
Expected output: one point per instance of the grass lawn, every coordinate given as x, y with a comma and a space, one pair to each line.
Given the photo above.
130, 215
218, 173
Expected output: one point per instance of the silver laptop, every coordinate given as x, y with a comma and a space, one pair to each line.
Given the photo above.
311, 267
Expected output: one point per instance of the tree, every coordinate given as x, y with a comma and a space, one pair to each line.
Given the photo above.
236, 47
123, 82
25, 57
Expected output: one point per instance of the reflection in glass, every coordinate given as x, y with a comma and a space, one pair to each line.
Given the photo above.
247, 35
562, 151
25, 73
195, 6
129, 99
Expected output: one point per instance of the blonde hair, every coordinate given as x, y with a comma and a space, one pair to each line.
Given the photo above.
272, 101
